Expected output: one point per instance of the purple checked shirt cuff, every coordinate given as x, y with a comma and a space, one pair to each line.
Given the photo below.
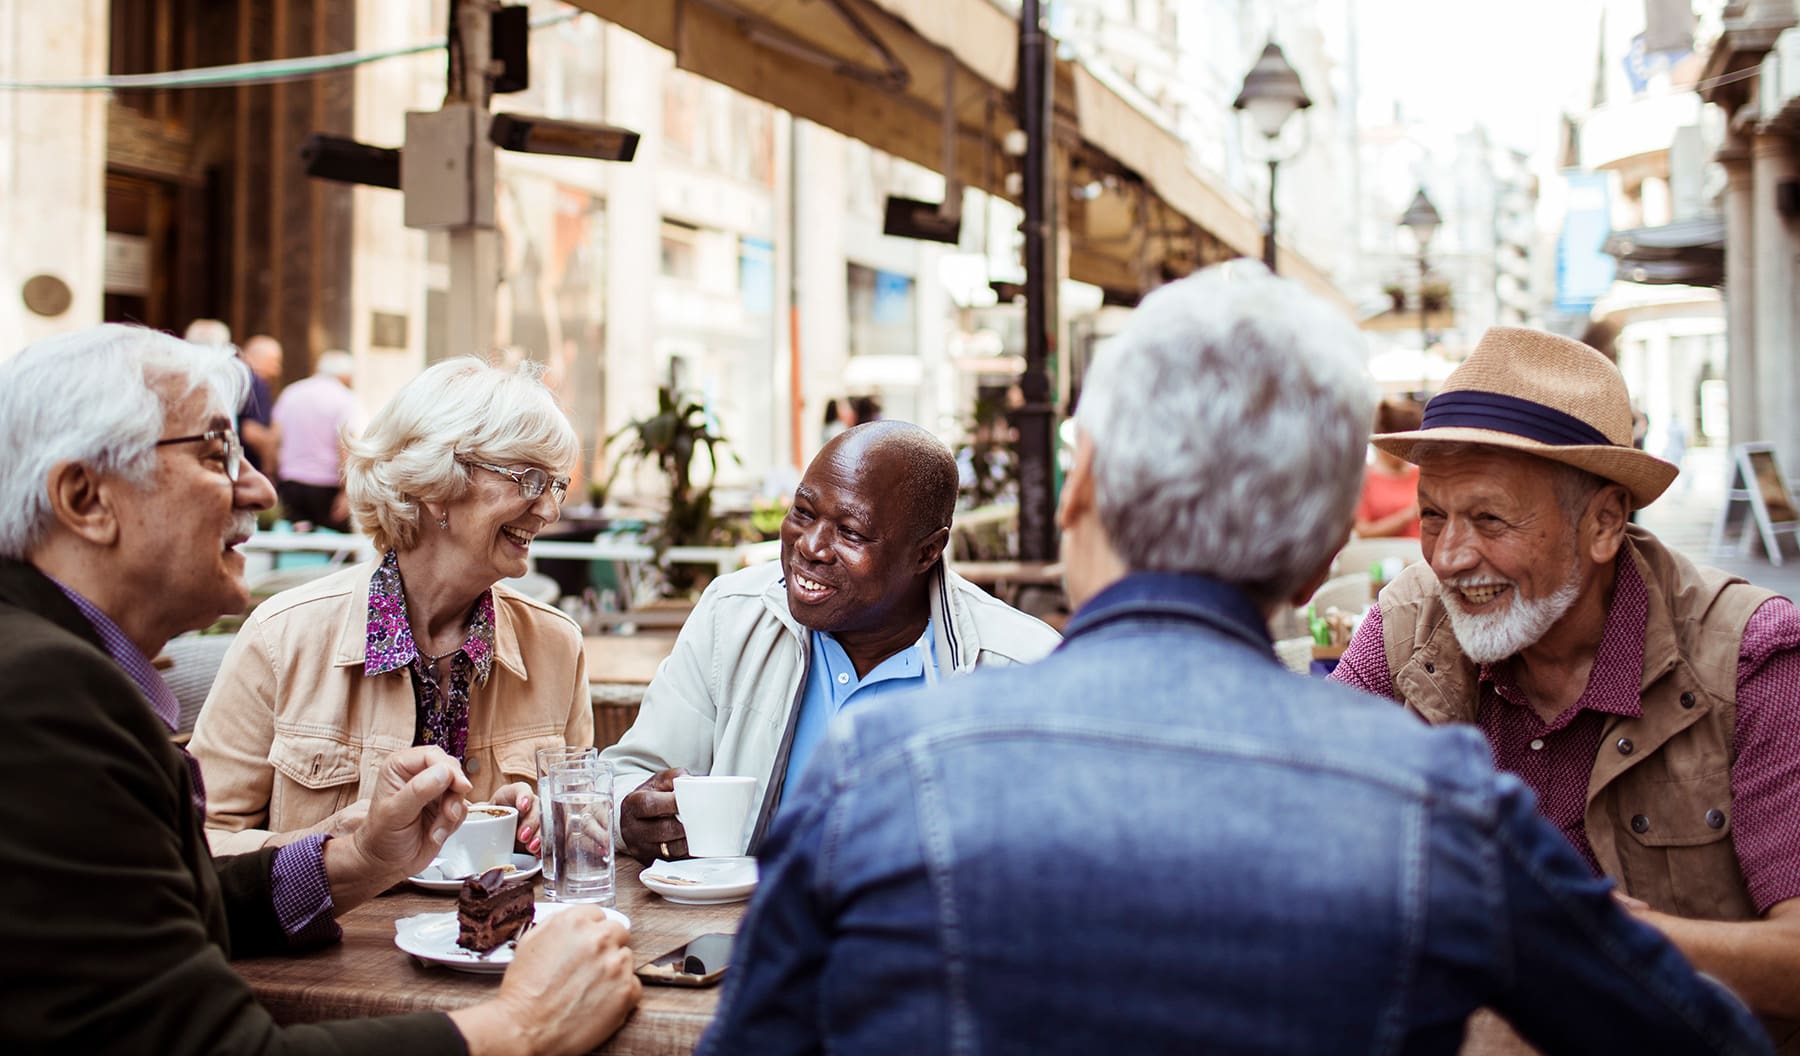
302, 893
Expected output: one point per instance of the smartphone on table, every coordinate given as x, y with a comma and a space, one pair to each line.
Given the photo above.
700, 962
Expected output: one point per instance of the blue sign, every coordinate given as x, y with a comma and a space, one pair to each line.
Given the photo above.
1584, 272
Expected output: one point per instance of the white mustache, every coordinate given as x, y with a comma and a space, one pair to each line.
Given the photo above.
243, 526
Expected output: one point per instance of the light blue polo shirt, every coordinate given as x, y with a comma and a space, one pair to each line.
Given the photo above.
832, 686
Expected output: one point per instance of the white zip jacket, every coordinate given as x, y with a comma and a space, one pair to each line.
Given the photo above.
725, 701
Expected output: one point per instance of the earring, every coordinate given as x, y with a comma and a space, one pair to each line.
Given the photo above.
444, 520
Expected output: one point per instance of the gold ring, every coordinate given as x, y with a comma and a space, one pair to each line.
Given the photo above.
665, 849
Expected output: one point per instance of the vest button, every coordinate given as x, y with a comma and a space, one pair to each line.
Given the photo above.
1715, 818
1430, 668
473, 766
1640, 824
1624, 746
1687, 700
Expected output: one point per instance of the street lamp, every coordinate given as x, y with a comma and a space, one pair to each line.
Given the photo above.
1422, 219
1271, 93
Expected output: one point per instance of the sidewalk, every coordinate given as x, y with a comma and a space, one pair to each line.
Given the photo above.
1683, 518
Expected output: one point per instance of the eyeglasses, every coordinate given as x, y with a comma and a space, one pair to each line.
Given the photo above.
234, 450
531, 482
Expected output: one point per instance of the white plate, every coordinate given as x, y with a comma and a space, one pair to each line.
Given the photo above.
711, 881
432, 878
431, 937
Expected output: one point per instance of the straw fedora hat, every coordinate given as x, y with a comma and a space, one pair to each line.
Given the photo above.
1549, 396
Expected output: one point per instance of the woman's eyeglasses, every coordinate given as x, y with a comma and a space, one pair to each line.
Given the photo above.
531, 482
234, 449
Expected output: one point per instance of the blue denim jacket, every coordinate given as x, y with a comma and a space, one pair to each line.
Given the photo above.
1157, 840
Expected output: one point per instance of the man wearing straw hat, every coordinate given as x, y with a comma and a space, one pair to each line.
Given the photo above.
1651, 704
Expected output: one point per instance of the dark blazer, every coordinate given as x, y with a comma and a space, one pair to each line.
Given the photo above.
116, 923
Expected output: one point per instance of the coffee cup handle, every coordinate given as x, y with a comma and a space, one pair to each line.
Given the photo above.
455, 864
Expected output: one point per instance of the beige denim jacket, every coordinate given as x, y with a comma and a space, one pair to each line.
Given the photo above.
293, 731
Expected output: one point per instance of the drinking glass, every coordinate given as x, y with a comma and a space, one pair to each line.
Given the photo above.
579, 838
547, 758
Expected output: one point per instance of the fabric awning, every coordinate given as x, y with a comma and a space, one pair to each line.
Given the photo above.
881, 70
1687, 252
873, 70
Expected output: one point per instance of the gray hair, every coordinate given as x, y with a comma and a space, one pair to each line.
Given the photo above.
1575, 487
463, 406
1229, 423
97, 397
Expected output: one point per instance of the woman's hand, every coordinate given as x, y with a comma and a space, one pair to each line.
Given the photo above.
519, 796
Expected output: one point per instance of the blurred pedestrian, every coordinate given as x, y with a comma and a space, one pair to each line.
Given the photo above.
262, 355
1389, 505
312, 417
835, 422
209, 333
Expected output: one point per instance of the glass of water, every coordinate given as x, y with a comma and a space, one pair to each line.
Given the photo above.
548, 759
578, 840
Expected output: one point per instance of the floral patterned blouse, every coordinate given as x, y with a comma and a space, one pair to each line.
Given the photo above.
443, 714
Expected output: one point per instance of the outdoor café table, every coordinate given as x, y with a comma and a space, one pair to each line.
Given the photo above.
367, 975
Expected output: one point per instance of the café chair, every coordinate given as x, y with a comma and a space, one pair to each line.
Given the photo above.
1349, 593
1362, 555
192, 664
1287, 622
1295, 654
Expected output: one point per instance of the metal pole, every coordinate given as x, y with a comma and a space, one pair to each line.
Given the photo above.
1269, 231
1037, 525
474, 250
1424, 331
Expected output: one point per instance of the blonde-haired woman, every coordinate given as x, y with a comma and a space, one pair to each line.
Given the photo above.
451, 479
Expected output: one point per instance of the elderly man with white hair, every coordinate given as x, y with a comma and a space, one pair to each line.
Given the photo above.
123, 498
1158, 840
1652, 704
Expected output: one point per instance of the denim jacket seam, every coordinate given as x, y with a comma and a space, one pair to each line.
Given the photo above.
1205, 743
1392, 1022
934, 841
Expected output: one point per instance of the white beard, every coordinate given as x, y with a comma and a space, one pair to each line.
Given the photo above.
1488, 638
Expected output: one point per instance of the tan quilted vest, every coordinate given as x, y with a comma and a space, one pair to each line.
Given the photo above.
1659, 795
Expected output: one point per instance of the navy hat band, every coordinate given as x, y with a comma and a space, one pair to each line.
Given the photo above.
1509, 414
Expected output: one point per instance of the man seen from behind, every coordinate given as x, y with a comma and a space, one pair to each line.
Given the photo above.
1157, 839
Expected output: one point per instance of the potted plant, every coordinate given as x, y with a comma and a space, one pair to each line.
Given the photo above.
1435, 295
670, 438
1396, 295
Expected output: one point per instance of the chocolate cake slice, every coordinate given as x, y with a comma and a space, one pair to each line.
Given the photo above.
491, 909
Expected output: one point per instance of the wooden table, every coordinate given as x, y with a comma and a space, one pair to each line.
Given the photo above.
630, 659
367, 975
1022, 573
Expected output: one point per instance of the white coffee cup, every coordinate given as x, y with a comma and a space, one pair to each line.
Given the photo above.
483, 841
715, 811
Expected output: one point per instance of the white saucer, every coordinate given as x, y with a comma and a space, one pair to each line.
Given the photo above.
702, 881
432, 878
431, 937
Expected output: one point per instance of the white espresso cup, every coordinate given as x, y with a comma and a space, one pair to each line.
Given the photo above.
483, 841
715, 811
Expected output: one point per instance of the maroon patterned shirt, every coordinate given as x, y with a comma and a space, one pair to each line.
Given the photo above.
297, 882
443, 711
1556, 758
